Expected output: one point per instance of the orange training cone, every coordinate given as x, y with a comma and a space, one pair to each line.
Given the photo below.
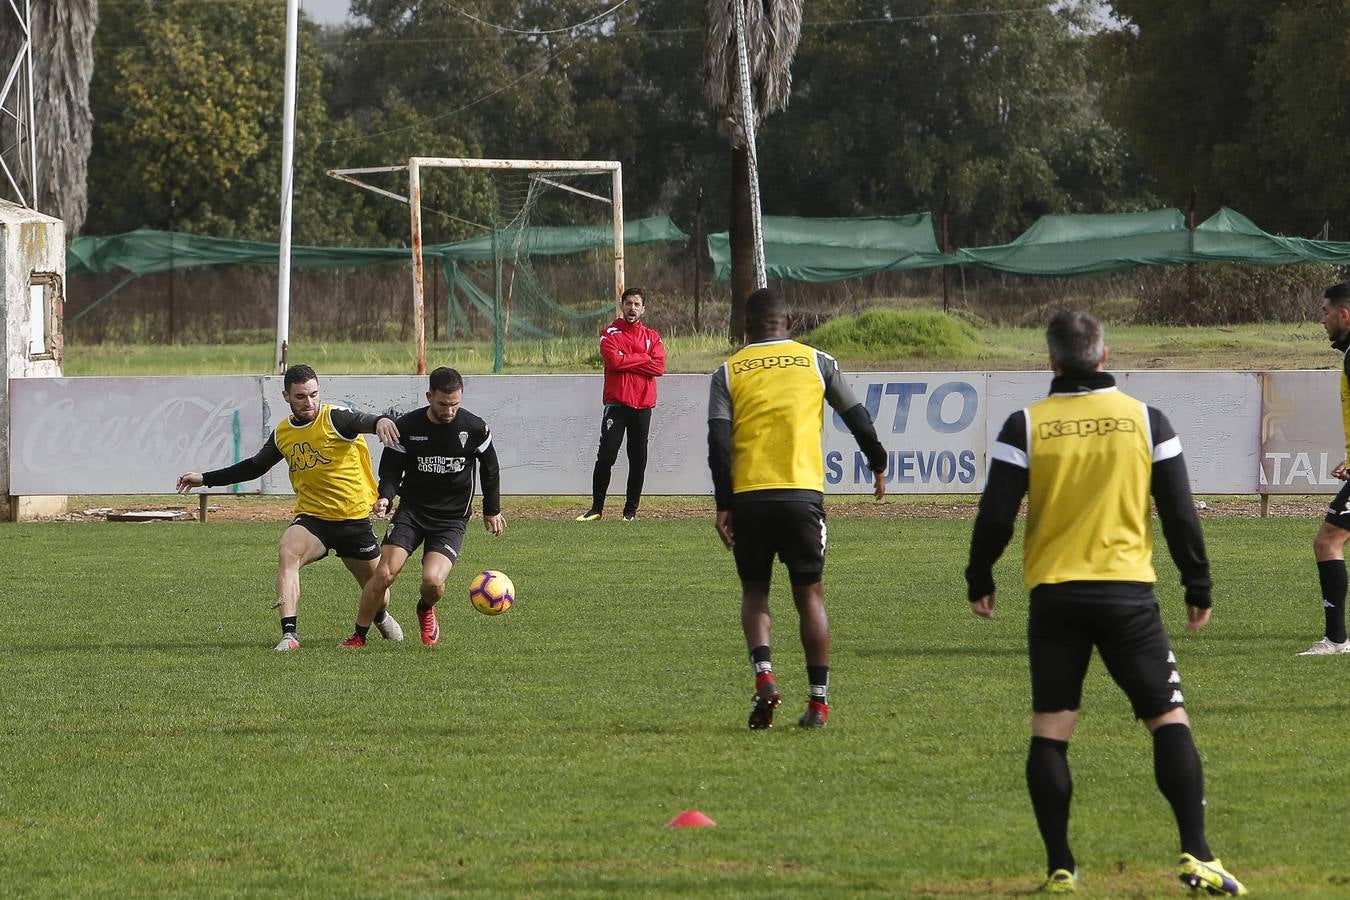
690, 818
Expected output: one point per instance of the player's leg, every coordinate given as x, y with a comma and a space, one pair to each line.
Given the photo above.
801, 538
612, 424
754, 565
300, 545
639, 425
442, 549
1138, 655
1059, 654
376, 576
1329, 551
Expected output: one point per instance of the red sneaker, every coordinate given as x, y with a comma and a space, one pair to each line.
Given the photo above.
765, 701
816, 715
431, 630
355, 642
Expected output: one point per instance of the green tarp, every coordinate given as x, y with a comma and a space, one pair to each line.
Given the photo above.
1092, 244
797, 249
145, 252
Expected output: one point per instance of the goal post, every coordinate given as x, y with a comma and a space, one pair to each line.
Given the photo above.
537, 169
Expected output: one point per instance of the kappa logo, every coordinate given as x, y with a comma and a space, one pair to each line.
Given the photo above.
1083, 427
304, 456
770, 362
418, 437
1174, 678
1176, 697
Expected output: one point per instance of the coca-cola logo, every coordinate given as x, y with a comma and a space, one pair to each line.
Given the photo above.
175, 433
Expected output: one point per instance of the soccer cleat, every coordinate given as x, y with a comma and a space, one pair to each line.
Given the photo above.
1060, 881
1326, 647
765, 701
355, 642
589, 516
816, 715
431, 629
288, 642
389, 628
630, 517
1210, 877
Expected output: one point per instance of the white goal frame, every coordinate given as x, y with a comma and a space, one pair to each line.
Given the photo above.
416, 164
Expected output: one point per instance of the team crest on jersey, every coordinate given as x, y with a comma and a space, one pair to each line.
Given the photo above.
463, 436
304, 456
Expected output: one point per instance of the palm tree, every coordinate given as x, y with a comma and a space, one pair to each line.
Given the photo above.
772, 31
63, 63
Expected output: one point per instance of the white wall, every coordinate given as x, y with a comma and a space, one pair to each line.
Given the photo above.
1243, 432
29, 242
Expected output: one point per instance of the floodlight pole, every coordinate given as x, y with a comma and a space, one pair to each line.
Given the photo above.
287, 189
618, 241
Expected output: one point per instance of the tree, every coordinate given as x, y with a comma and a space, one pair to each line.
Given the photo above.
772, 32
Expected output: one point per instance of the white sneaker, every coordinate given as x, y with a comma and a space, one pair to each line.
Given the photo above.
288, 642
389, 628
1326, 647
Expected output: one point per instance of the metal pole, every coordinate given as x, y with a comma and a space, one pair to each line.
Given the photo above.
617, 178
748, 123
419, 311
498, 354
698, 256
32, 117
287, 189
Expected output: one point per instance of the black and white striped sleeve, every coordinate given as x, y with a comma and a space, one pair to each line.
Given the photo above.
1003, 492
1171, 489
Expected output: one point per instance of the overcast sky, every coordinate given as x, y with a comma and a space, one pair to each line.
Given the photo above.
326, 12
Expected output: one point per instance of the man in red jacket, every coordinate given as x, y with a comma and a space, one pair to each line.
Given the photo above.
634, 357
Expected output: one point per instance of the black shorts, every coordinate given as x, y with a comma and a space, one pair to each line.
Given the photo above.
1338, 513
407, 530
793, 530
349, 539
1131, 639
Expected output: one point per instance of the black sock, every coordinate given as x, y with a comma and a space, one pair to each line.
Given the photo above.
1051, 789
362, 630
760, 660
1176, 766
288, 625
379, 616
422, 608
819, 677
1331, 573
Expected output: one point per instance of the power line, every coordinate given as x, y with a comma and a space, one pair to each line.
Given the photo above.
536, 32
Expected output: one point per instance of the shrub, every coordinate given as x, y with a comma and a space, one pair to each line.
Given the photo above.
1231, 293
896, 333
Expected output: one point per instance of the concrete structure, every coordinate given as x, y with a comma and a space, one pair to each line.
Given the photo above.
32, 284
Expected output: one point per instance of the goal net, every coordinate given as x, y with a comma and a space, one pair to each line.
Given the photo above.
536, 247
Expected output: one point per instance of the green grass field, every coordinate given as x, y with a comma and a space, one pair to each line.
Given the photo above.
1273, 346
155, 745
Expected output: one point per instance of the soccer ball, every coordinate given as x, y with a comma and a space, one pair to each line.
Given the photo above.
491, 593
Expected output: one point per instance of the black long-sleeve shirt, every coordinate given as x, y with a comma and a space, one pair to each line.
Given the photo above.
432, 468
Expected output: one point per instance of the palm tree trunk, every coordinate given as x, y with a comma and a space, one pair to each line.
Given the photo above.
63, 51
740, 234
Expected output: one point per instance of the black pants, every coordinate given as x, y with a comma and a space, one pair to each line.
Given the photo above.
616, 420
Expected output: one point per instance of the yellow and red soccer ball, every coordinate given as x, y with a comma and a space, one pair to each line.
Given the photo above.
491, 593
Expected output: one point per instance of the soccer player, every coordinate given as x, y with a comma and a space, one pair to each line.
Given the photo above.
765, 417
1089, 457
432, 471
634, 358
334, 491
1329, 545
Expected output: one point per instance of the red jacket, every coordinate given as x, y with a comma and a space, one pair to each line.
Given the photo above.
634, 356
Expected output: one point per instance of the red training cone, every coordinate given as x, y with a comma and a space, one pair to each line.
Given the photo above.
690, 818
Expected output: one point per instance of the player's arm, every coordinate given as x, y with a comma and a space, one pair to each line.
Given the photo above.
656, 358
349, 423
856, 418
719, 438
393, 463
618, 359
491, 473
1003, 491
1171, 488
255, 466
